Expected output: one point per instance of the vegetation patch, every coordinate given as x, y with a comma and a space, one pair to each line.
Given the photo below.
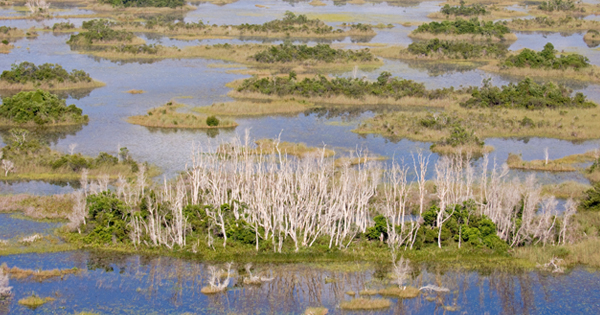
100, 32
316, 311
287, 52
144, 3
38, 275
39, 108
28, 76
135, 91
38, 207
565, 164
34, 301
365, 304
250, 108
593, 172
270, 146
436, 49
472, 29
566, 190
401, 292
166, 116
27, 156
553, 24
460, 141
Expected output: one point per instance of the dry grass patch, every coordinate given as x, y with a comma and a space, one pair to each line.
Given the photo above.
495, 13
317, 3
566, 190
270, 146
38, 207
461, 149
38, 275
358, 160
166, 116
564, 164
549, 24
400, 52
406, 293
588, 74
365, 304
135, 91
250, 108
466, 37
316, 311
34, 301
6, 48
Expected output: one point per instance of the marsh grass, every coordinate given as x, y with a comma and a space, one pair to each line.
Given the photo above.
466, 37
38, 207
6, 48
564, 164
553, 24
365, 304
166, 116
461, 149
39, 275
568, 124
592, 37
495, 13
34, 301
406, 293
566, 190
316, 311
51, 86
400, 52
270, 146
250, 108
588, 74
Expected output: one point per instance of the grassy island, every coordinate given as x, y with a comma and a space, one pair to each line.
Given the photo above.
291, 26
592, 38
439, 50
38, 108
320, 89
32, 159
561, 8
100, 32
525, 109
459, 29
167, 117
12, 33
140, 6
547, 64
565, 164
250, 108
463, 10
28, 76
553, 24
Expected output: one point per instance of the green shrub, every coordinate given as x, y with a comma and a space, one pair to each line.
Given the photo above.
591, 199
63, 26
292, 23
6, 29
546, 59
557, 5
145, 3
460, 26
212, 121
47, 73
75, 162
457, 49
287, 52
40, 107
107, 218
463, 10
99, 31
459, 136
526, 94
380, 227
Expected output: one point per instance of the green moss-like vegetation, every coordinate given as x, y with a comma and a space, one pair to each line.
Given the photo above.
287, 52
48, 73
464, 10
145, 3
460, 27
527, 95
100, 31
457, 49
39, 108
386, 86
546, 59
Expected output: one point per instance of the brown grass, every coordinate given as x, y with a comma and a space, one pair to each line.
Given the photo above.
51, 86
316, 311
38, 207
38, 275
466, 37
564, 164
94, 6
406, 293
5, 49
530, 25
593, 177
365, 304
210, 290
585, 252
34, 302
135, 91
249, 108
462, 149
589, 74
270, 146
166, 116
592, 38
566, 190
569, 124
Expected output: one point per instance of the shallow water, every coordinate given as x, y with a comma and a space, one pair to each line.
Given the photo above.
12, 226
124, 284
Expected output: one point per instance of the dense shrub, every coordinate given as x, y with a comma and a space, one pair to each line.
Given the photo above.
107, 219
6, 29
145, 3
287, 52
591, 200
464, 10
292, 23
99, 31
460, 136
47, 73
546, 59
212, 121
320, 86
40, 107
557, 5
457, 49
526, 94
63, 26
460, 26
151, 49
172, 25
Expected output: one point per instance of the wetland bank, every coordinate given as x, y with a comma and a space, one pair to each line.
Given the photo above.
305, 158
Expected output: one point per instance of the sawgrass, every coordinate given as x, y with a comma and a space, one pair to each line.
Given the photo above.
270, 146
38, 275
400, 52
494, 13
